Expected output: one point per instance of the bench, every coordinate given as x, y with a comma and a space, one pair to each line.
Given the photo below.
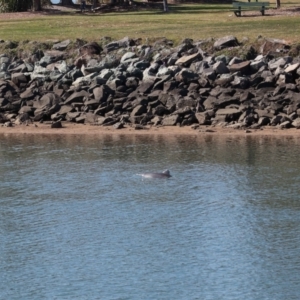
238, 7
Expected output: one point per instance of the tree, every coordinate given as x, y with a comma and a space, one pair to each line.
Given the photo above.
22, 5
14, 5
67, 2
36, 5
278, 3
166, 8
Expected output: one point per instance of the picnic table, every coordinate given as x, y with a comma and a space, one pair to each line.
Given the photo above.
240, 6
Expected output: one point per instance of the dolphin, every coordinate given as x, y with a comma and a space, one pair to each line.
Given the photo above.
164, 174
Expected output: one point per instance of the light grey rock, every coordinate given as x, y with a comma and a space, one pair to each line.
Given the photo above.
280, 62
128, 56
225, 42
171, 120
220, 67
62, 45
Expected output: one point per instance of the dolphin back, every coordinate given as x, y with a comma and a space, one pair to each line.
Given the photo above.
167, 173
164, 174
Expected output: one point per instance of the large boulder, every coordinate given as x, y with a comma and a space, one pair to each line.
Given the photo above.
225, 42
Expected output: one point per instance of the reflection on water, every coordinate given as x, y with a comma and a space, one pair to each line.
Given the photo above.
77, 223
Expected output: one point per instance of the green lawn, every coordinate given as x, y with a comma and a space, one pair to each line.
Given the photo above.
183, 21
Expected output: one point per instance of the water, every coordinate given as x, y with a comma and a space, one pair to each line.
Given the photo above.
59, 1
77, 223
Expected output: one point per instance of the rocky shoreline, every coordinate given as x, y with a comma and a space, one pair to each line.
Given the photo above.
215, 83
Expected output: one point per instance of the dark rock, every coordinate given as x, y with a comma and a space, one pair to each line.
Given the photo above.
186, 75
22, 118
106, 120
285, 124
8, 124
229, 114
76, 97
56, 124
276, 120
138, 127
145, 86
3, 101
92, 48
123, 43
102, 93
138, 110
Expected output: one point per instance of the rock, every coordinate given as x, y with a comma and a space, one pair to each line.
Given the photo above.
65, 109
153, 84
128, 56
229, 114
292, 68
225, 42
26, 109
123, 43
285, 124
46, 101
276, 120
273, 45
239, 67
56, 124
92, 48
76, 97
171, 120
47, 60
18, 78
62, 45
118, 125
186, 60
138, 127
102, 93
199, 66
296, 123
22, 118
186, 75
27, 94
202, 118
257, 64
280, 62
220, 68
263, 121
145, 86
138, 110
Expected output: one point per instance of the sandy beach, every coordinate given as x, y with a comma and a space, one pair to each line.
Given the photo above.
81, 129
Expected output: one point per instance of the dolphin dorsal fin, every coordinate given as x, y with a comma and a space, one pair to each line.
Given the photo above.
167, 172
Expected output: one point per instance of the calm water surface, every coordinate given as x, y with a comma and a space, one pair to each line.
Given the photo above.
76, 222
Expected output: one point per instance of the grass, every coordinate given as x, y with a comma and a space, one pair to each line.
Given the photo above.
196, 21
